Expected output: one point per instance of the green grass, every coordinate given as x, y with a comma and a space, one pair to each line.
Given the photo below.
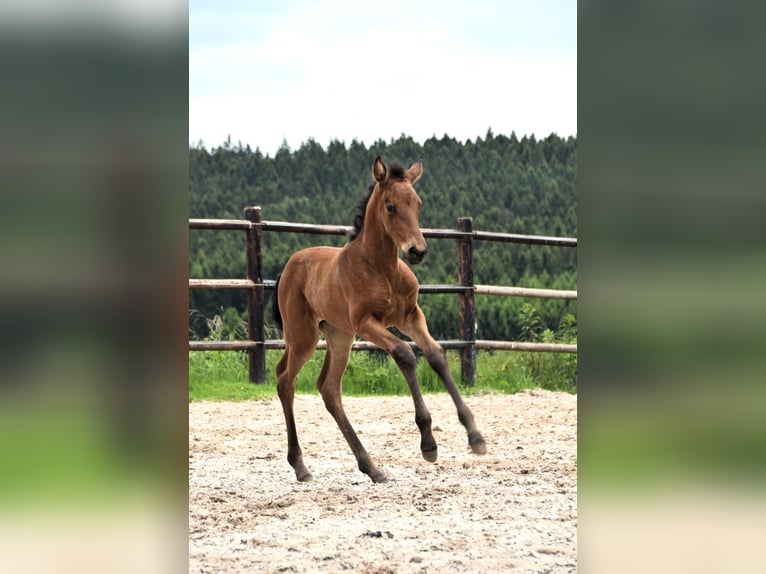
223, 375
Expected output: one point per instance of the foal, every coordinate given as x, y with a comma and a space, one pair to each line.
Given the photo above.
361, 289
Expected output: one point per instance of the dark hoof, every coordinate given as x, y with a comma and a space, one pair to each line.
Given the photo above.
429, 449
379, 477
477, 443
431, 455
372, 471
303, 475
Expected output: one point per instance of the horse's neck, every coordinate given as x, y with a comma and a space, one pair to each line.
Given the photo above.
380, 248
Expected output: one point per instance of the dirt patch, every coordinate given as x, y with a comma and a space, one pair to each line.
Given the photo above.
513, 509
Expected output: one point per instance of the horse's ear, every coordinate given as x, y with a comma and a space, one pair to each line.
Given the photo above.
379, 170
415, 171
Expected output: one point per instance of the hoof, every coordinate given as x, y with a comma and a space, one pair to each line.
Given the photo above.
429, 449
372, 471
303, 475
477, 443
379, 478
431, 455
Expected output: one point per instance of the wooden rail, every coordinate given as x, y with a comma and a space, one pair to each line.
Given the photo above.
273, 344
256, 285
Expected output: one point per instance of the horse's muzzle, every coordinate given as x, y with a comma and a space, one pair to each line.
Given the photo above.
413, 255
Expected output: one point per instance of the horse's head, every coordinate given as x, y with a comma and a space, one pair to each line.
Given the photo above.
398, 206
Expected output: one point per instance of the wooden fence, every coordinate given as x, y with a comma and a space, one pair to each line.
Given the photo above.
256, 285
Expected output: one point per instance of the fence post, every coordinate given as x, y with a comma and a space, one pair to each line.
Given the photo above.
466, 302
255, 297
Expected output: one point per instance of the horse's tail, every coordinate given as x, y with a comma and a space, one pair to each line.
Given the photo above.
275, 314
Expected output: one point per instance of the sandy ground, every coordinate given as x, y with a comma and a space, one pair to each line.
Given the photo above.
511, 510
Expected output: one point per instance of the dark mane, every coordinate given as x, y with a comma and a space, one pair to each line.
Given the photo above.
361, 208
396, 170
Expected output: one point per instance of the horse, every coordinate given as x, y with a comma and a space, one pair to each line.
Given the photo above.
362, 289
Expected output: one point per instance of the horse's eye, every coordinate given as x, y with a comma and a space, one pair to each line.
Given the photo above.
390, 209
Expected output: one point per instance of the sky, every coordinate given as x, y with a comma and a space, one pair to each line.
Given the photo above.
266, 72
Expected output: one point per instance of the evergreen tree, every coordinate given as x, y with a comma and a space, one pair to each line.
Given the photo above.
523, 186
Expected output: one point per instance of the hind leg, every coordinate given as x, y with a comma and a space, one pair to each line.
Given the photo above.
296, 355
329, 383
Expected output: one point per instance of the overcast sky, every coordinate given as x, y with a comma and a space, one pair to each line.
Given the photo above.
264, 71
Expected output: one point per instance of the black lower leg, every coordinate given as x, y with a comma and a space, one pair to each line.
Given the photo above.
294, 452
407, 363
363, 459
438, 361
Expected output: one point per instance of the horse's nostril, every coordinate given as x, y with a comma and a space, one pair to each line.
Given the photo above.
415, 254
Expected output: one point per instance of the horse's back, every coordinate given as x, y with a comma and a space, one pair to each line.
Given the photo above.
309, 281
311, 257
308, 267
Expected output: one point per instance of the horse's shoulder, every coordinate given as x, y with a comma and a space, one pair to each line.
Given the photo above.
407, 285
406, 274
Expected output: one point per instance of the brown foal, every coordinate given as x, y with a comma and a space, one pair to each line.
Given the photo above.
361, 289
